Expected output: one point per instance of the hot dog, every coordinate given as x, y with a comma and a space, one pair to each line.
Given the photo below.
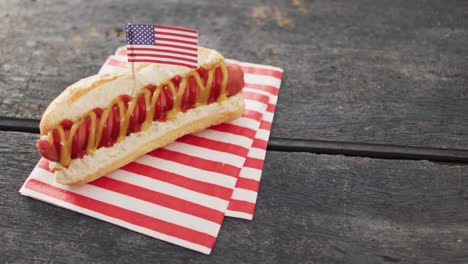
105, 121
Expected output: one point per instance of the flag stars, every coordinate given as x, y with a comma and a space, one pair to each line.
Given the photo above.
140, 34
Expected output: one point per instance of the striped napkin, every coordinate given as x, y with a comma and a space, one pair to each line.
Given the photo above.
180, 193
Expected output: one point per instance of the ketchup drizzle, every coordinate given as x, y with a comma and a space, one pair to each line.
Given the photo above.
164, 104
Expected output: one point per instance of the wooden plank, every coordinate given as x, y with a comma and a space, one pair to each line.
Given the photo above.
314, 146
381, 151
386, 72
311, 208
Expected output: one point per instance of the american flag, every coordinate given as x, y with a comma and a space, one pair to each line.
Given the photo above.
162, 44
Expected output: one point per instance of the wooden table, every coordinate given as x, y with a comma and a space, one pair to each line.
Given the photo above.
367, 160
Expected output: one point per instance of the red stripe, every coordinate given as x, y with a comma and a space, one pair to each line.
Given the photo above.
252, 114
179, 180
262, 87
241, 206
265, 125
116, 63
214, 145
123, 214
164, 62
161, 199
247, 184
176, 28
271, 108
254, 163
177, 47
162, 50
175, 40
235, 129
196, 162
262, 71
260, 143
164, 56
256, 97
176, 35
121, 52
44, 164
168, 177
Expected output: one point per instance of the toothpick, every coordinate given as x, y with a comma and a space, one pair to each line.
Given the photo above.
133, 75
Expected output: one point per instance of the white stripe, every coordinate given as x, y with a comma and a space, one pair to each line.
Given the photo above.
268, 116
122, 223
250, 173
255, 105
107, 69
161, 47
188, 171
263, 134
165, 59
257, 153
272, 98
193, 34
169, 189
244, 195
169, 49
139, 52
253, 90
140, 46
206, 153
236, 214
137, 205
120, 58
221, 137
246, 122
176, 43
262, 79
269, 67
158, 37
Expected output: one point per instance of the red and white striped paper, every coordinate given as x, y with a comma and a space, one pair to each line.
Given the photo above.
262, 84
180, 193
261, 80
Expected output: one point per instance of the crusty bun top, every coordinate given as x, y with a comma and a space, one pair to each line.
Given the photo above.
99, 90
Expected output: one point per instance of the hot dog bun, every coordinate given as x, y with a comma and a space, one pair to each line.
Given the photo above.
98, 91
133, 146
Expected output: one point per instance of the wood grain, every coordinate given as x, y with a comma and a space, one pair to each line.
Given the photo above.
385, 72
311, 209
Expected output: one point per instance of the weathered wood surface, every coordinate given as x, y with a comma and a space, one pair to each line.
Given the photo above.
311, 209
391, 72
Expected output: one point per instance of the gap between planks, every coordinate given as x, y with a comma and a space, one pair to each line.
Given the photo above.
382, 151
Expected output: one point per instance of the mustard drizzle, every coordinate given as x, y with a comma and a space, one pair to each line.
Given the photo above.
96, 130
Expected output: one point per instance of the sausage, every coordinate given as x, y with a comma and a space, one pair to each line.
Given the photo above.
46, 150
235, 81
